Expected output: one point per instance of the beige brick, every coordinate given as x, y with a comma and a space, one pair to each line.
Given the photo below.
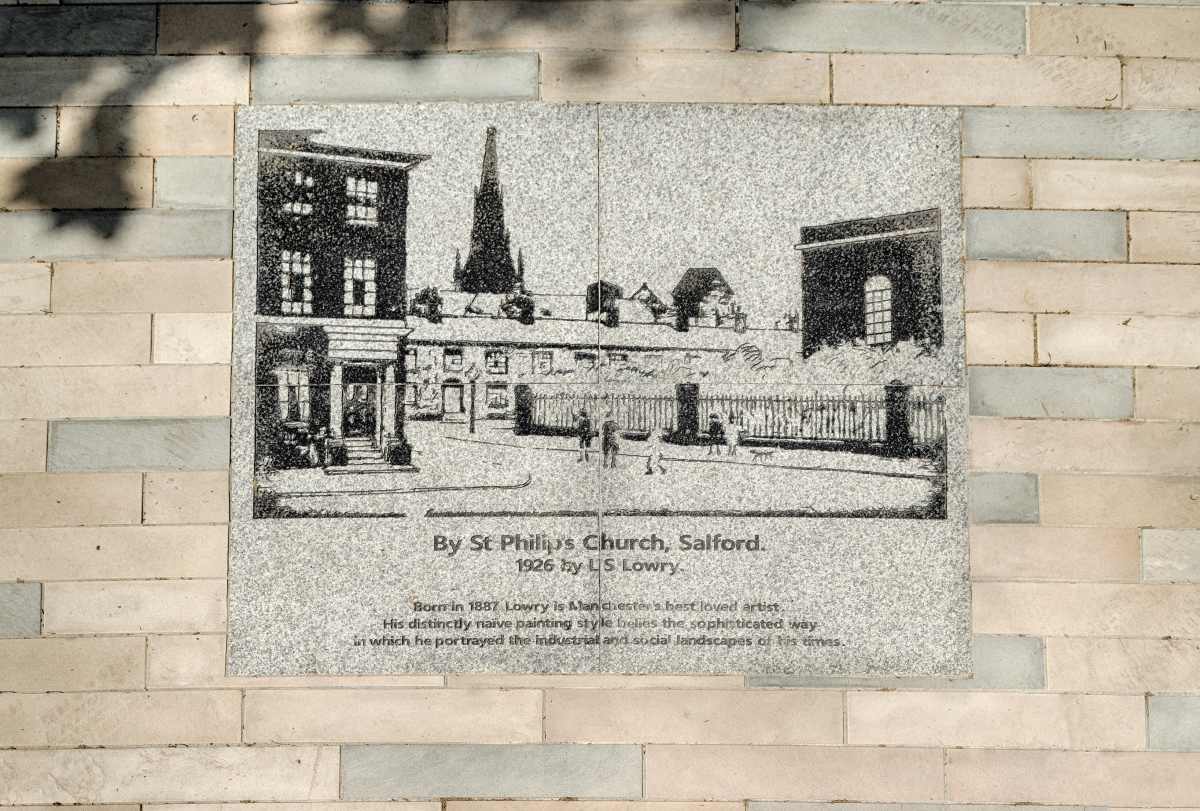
193, 338
199, 661
301, 29
706, 25
22, 448
120, 719
1083, 287
157, 131
1123, 665
116, 553
114, 391
1159, 83
1103, 446
79, 663
74, 340
1167, 394
675, 76
74, 808
1024, 552
69, 499
183, 286
995, 183
585, 805
1157, 236
168, 774
596, 681
1115, 340
186, 497
76, 183
393, 716
995, 339
1125, 185
134, 606
335, 806
1086, 609
1120, 501
792, 772
692, 716
982, 719
1112, 31
1019, 81
1092, 778
117, 80
24, 287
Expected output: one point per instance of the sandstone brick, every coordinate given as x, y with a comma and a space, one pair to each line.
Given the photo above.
1161, 83
586, 805
1025, 81
169, 774
997, 391
1167, 394
1120, 501
675, 76
199, 661
193, 182
103, 553
1009, 720
186, 498
693, 716
595, 681
24, 288
1086, 609
74, 340
193, 338
1171, 555
114, 391
994, 182
1062, 133
999, 338
120, 719
29, 184
22, 446
794, 772
1003, 552
182, 286
79, 663
159, 131
1145, 31
137, 234
134, 606
1083, 287
1156, 236
300, 29
393, 716
1005, 498
69, 499
1046, 235
581, 24
39, 81
77, 30
181, 444
1091, 778
27, 132
1174, 723
1125, 185
20, 609
1115, 340
1123, 665
326, 806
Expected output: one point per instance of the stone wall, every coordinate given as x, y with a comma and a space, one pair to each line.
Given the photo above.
1082, 184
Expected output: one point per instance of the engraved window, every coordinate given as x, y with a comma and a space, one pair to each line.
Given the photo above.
293, 395
410, 394
495, 361
497, 396
543, 361
358, 286
301, 203
878, 293
586, 359
410, 357
452, 359
295, 283
362, 201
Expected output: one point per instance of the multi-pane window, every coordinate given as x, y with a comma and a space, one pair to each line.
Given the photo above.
878, 309
293, 395
497, 396
358, 286
301, 204
495, 361
586, 359
297, 207
543, 361
452, 358
295, 283
410, 358
362, 201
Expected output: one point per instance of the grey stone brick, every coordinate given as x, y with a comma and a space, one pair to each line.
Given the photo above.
80, 30
524, 771
320, 79
767, 805
1046, 235
998, 662
1030, 132
178, 444
1003, 498
193, 182
44, 81
20, 609
114, 234
27, 132
1014, 391
1174, 723
774, 26
1171, 555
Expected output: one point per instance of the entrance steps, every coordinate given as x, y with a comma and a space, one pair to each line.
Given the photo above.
361, 450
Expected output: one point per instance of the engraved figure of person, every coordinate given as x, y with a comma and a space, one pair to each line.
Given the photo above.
610, 444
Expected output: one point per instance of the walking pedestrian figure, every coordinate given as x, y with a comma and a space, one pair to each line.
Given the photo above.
654, 457
610, 430
731, 436
716, 434
583, 430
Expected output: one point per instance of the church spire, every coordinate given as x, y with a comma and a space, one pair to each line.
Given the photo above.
489, 267
490, 175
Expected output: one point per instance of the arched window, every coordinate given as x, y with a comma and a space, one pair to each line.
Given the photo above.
878, 294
